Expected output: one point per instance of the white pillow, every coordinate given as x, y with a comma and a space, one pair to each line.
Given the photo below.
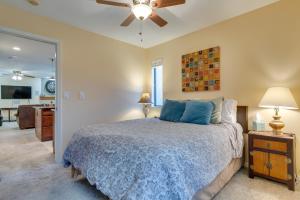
229, 111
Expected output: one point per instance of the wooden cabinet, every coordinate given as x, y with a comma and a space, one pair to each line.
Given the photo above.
44, 123
273, 157
260, 164
278, 166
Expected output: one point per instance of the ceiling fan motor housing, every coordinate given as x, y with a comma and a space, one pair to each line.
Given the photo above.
34, 2
146, 2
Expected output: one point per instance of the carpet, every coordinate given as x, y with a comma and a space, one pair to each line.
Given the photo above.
28, 172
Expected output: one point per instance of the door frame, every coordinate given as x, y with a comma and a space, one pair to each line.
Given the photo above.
58, 93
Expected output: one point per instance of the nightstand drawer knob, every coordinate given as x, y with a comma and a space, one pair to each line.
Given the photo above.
289, 161
269, 165
289, 177
251, 153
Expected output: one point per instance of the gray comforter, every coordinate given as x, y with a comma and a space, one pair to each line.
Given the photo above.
151, 159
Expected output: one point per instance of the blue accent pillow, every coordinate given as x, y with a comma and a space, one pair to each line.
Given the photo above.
197, 112
172, 110
216, 113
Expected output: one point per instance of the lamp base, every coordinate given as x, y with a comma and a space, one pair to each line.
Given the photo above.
146, 109
277, 125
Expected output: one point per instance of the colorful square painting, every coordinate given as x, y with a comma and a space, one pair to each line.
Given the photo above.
201, 70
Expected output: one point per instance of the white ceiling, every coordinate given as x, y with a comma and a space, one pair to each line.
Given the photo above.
106, 20
34, 58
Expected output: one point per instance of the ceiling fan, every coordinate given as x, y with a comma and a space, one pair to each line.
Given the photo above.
142, 9
18, 75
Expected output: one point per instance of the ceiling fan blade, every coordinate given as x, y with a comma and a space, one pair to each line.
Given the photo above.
5, 75
167, 3
29, 76
128, 20
113, 3
158, 20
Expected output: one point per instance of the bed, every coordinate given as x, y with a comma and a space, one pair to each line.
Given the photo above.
158, 160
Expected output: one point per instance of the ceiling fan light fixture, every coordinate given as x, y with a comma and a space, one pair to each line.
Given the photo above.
14, 77
141, 11
17, 76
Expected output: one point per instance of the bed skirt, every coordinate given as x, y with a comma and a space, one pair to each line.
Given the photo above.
220, 181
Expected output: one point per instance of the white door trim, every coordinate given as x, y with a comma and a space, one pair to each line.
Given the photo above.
58, 99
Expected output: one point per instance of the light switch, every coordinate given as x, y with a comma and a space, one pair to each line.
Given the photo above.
82, 95
67, 95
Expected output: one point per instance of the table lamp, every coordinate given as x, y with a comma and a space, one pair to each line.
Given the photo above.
278, 98
146, 101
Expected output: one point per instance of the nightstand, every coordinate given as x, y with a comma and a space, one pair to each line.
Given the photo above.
272, 157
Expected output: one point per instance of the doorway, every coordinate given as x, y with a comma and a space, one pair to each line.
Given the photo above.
30, 87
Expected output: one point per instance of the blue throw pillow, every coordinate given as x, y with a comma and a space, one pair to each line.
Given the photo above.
197, 112
216, 113
172, 110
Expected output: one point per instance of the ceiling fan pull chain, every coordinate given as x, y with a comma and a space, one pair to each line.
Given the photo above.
141, 33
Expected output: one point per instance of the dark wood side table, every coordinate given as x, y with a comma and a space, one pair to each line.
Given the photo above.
44, 117
273, 157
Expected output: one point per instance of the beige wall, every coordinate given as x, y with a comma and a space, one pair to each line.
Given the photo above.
258, 50
111, 73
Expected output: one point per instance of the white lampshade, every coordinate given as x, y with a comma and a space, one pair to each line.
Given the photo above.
278, 97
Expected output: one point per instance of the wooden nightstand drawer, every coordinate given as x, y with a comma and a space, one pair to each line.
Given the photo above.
47, 121
270, 145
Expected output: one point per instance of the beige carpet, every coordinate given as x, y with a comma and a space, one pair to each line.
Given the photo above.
28, 171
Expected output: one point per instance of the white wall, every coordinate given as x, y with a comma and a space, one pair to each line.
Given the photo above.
35, 84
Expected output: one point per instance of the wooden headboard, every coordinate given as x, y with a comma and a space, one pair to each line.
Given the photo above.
242, 117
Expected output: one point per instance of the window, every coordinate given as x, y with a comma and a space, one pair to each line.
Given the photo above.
157, 84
